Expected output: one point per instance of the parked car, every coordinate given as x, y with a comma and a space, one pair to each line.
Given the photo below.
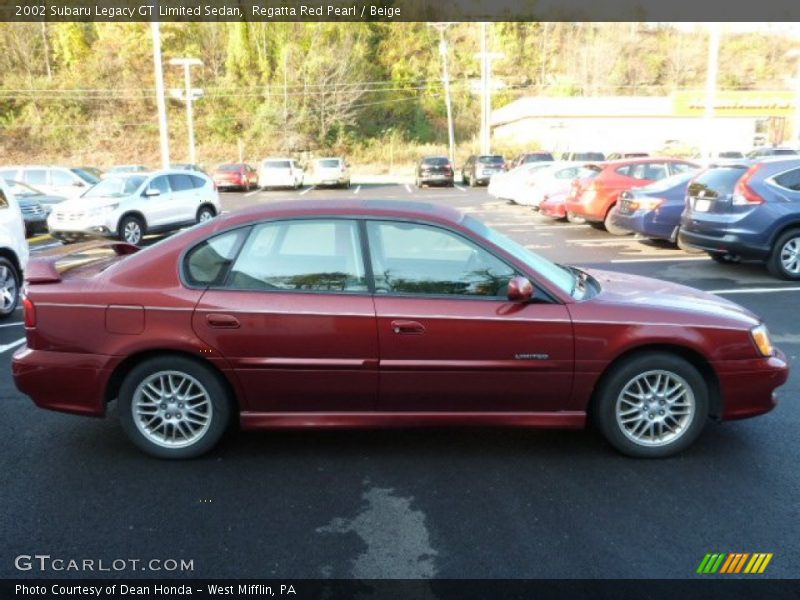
280, 172
13, 251
766, 151
235, 175
434, 170
331, 171
514, 183
23, 190
130, 206
125, 169
553, 206
478, 170
594, 197
654, 211
621, 155
553, 179
449, 323
528, 157
188, 167
34, 214
750, 213
55, 181
583, 156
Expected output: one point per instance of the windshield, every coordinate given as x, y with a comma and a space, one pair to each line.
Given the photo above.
86, 176
21, 190
491, 160
116, 187
670, 182
562, 277
328, 163
437, 161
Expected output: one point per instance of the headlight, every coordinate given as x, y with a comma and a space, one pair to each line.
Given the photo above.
760, 336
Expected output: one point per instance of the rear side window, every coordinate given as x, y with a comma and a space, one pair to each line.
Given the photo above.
197, 182
180, 183
9, 174
36, 176
436, 161
714, 183
789, 180
678, 167
61, 178
491, 160
208, 263
589, 172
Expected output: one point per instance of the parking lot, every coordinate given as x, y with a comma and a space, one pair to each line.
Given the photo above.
420, 503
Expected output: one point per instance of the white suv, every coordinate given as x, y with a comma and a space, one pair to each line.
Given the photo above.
13, 251
280, 172
130, 206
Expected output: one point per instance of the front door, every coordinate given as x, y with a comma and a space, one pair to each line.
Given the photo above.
294, 317
449, 338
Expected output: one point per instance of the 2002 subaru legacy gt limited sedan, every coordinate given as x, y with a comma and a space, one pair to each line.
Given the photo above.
366, 314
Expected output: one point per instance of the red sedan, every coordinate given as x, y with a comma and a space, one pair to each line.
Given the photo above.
235, 175
594, 197
367, 314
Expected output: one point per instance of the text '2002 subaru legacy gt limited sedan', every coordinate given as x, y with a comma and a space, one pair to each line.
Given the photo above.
367, 314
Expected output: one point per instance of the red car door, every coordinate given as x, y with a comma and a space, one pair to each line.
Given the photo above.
294, 318
449, 338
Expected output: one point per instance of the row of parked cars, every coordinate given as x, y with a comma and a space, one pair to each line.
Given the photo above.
733, 209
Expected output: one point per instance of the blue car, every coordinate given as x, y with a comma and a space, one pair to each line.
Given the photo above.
747, 213
654, 210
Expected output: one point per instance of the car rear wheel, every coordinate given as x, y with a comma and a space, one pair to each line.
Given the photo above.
576, 219
610, 223
205, 214
9, 288
784, 261
174, 407
131, 230
652, 405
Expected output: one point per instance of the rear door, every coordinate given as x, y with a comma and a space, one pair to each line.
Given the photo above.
294, 317
449, 338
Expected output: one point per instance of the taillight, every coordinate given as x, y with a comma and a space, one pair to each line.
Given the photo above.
30, 312
743, 194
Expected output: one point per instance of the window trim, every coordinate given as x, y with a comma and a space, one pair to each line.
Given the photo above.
772, 179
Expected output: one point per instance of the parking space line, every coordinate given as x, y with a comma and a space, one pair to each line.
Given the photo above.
662, 259
358, 189
763, 290
305, 191
12, 345
255, 191
11, 325
459, 188
408, 188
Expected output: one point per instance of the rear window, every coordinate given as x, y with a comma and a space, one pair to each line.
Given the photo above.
328, 163
714, 183
276, 164
436, 161
491, 160
731, 155
230, 168
9, 174
588, 172
538, 157
784, 151
588, 156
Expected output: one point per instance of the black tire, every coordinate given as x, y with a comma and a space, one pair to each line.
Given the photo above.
789, 241
131, 230
218, 398
610, 223
205, 213
609, 393
10, 281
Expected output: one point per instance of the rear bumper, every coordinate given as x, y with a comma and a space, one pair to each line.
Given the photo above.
646, 224
554, 210
725, 243
63, 381
748, 386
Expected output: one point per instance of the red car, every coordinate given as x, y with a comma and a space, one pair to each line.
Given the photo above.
595, 197
378, 314
554, 207
235, 175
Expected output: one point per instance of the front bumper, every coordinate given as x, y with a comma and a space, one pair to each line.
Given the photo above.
63, 381
748, 386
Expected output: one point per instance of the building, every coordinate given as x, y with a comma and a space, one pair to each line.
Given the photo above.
628, 124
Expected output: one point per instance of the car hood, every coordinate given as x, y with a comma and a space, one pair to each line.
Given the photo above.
670, 300
83, 204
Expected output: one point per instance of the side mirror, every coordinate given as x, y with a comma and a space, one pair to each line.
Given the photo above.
150, 192
520, 289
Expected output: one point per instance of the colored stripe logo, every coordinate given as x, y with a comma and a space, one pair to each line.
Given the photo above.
734, 562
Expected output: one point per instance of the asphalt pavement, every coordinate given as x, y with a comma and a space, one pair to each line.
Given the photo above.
468, 503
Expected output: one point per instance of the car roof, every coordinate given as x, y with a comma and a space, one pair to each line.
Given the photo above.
276, 158
341, 207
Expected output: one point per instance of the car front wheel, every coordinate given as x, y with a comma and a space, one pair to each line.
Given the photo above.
131, 230
205, 214
652, 405
9, 288
174, 407
784, 261
610, 223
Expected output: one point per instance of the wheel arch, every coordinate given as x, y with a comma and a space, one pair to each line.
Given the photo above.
132, 213
122, 370
690, 355
206, 205
12, 257
788, 225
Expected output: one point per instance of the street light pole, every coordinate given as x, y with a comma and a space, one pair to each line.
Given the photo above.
795, 139
187, 63
486, 89
711, 88
441, 27
160, 100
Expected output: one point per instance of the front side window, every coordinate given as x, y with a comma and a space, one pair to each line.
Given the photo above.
304, 255
62, 178
409, 258
161, 184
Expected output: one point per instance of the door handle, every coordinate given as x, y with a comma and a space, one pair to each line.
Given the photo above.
220, 321
408, 327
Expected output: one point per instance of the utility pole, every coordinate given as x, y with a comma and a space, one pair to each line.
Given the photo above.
711, 88
451, 138
486, 89
188, 96
794, 140
160, 100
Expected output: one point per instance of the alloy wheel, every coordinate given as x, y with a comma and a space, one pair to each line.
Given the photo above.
790, 256
132, 232
8, 289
